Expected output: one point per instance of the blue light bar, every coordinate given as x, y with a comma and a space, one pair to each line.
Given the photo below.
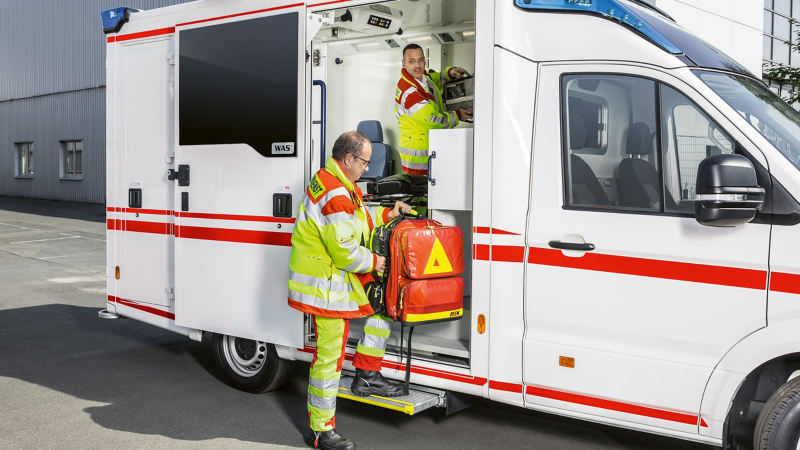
610, 9
114, 19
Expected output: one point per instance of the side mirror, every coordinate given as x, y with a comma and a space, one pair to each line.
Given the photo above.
727, 191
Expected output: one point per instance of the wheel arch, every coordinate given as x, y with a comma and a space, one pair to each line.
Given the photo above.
746, 376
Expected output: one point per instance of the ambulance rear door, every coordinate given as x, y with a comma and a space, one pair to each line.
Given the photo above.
239, 172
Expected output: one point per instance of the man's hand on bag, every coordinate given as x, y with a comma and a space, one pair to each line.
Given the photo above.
457, 73
463, 114
380, 264
398, 206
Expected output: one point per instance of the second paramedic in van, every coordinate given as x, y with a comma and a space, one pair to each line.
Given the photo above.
419, 108
329, 266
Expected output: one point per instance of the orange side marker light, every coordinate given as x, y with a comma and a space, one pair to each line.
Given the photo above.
566, 361
481, 324
116, 273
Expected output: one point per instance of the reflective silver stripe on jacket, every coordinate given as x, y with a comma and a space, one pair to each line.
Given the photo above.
329, 305
328, 285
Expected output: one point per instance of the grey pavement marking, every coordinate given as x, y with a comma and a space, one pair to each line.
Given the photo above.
69, 256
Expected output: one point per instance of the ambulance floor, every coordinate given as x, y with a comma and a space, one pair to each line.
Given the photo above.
70, 380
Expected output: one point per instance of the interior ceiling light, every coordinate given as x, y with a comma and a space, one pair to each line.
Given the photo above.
368, 44
468, 33
419, 39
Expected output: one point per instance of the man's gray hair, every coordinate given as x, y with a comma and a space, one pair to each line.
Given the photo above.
349, 142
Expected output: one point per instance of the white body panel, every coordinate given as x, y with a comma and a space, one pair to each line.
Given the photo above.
652, 352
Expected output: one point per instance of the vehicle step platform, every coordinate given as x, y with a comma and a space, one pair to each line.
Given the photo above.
418, 399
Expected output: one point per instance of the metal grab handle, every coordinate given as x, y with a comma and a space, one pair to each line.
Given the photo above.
430, 168
571, 246
322, 122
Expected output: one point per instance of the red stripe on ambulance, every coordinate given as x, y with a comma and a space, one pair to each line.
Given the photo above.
612, 405
147, 309
503, 386
436, 373
242, 218
670, 270
240, 236
784, 282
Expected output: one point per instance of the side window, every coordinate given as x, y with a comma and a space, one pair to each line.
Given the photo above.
239, 86
688, 137
613, 156
610, 156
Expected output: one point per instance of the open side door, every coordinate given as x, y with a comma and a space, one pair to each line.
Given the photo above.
239, 173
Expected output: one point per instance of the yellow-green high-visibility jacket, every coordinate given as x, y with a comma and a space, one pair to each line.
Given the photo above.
419, 111
330, 263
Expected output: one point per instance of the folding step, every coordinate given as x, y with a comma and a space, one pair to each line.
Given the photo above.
419, 398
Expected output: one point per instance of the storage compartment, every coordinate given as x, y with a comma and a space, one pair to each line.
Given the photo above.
450, 170
360, 65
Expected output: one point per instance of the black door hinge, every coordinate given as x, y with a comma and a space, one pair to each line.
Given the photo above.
182, 175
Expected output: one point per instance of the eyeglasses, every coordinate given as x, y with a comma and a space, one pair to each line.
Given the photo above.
362, 159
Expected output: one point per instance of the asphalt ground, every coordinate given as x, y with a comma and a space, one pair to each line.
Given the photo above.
71, 380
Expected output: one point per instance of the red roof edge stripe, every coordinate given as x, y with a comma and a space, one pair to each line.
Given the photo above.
328, 3
784, 282
240, 14
508, 387
141, 35
147, 309
670, 270
612, 405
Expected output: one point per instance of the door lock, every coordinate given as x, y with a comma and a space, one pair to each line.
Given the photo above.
182, 175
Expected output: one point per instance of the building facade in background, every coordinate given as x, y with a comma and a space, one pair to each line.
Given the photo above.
52, 97
52, 81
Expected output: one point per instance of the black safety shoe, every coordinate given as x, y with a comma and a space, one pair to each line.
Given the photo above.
328, 440
371, 382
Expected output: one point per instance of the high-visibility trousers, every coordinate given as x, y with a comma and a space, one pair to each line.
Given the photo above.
372, 346
326, 368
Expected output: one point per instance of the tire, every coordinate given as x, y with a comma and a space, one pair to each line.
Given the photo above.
250, 366
778, 425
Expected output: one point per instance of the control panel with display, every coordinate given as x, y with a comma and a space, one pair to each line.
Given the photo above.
379, 21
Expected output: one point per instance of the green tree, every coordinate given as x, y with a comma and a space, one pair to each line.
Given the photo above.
788, 74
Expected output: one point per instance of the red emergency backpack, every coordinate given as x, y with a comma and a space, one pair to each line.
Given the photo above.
424, 259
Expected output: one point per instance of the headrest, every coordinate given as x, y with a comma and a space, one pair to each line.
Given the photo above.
372, 130
640, 141
577, 130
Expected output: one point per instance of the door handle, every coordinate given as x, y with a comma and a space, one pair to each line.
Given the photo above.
571, 246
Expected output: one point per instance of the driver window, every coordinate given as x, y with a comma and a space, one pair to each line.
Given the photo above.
688, 137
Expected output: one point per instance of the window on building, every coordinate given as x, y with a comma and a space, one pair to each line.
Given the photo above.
72, 159
25, 159
778, 33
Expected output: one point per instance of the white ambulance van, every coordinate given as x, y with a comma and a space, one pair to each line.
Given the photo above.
628, 195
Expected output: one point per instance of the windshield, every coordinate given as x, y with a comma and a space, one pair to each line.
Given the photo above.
766, 112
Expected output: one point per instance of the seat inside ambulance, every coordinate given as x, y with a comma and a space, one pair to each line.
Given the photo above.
359, 59
379, 164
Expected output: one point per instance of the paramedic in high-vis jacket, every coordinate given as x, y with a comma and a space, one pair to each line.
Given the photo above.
329, 266
419, 108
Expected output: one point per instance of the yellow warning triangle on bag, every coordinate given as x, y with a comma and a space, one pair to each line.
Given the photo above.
438, 262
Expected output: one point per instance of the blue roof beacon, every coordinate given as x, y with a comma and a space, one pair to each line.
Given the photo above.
610, 9
114, 19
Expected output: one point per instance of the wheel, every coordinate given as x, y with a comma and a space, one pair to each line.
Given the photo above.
778, 425
250, 365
